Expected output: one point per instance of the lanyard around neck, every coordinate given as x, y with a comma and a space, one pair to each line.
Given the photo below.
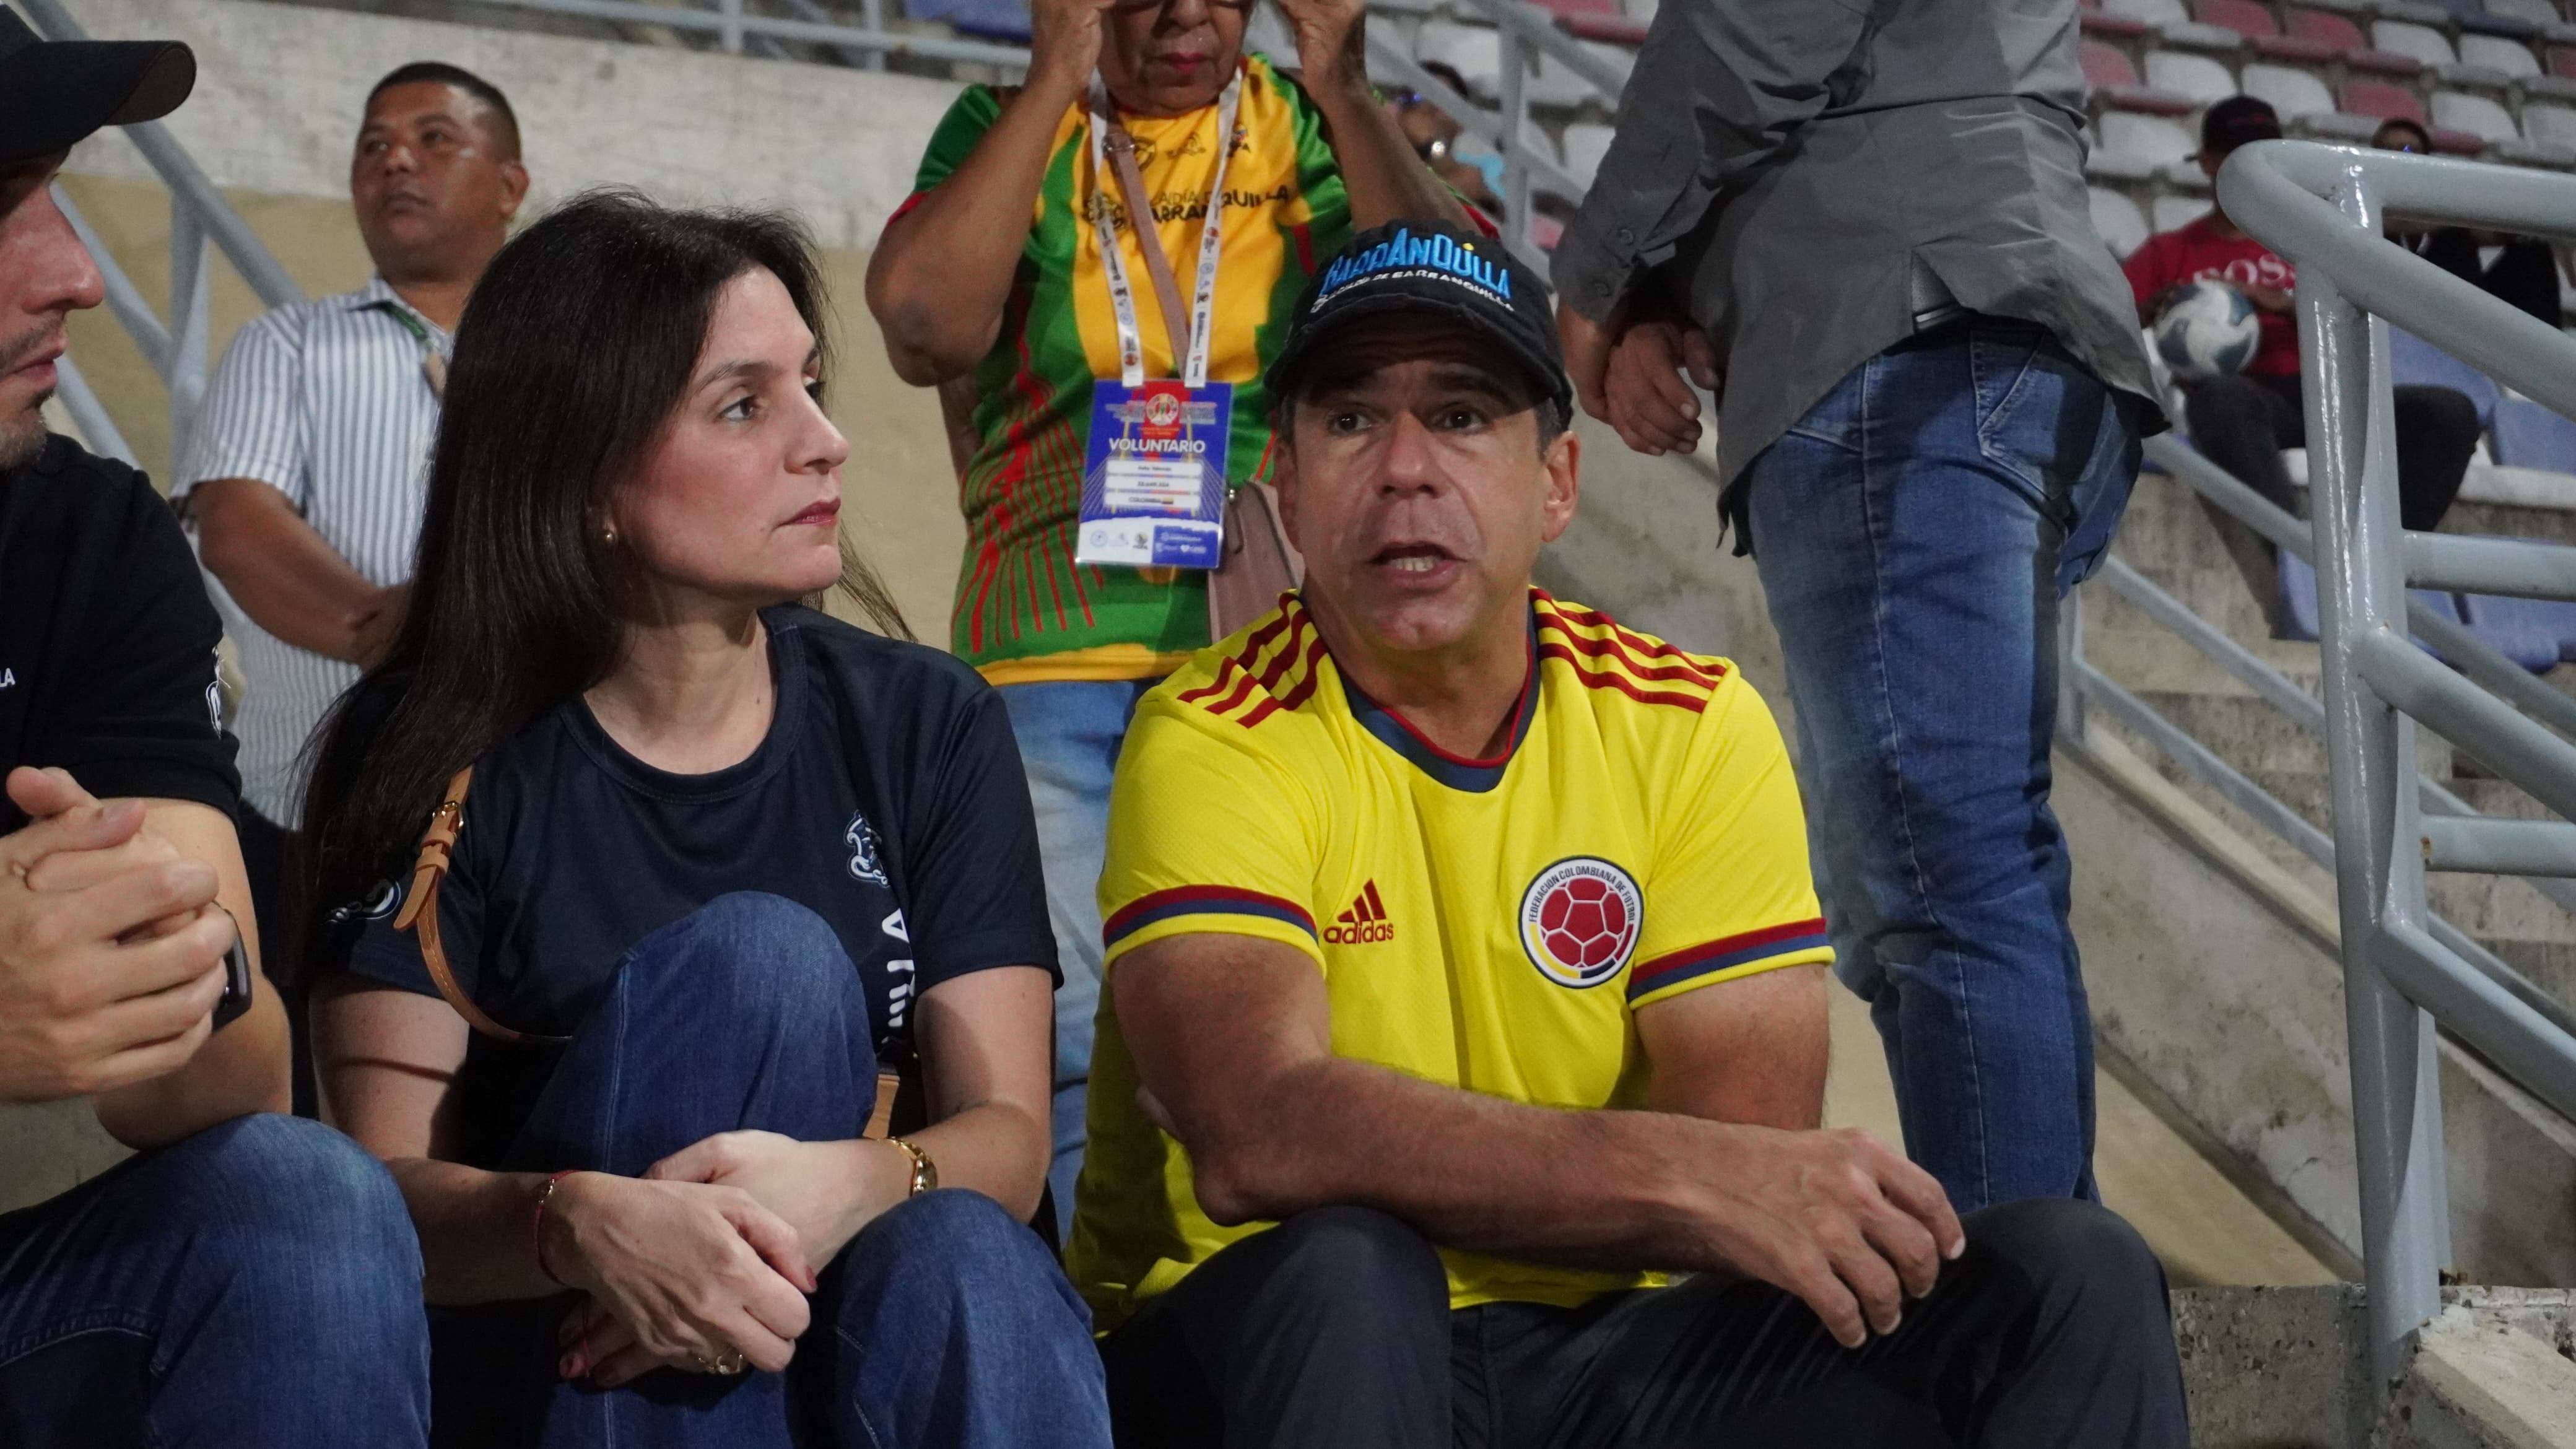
1107, 133
433, 363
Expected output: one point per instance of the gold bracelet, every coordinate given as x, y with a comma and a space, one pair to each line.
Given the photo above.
925, 1173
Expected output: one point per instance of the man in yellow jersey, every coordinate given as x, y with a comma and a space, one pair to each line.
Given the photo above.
1466, 978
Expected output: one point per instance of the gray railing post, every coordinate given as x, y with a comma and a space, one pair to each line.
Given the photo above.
1517, 191
189, 275
729, 35
2379, 868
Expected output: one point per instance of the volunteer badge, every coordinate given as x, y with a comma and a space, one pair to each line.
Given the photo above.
1153, 487
1579, 921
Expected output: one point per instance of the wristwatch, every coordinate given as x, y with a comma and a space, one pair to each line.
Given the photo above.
925, 1173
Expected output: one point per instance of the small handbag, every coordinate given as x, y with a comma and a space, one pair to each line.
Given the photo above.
899, 1094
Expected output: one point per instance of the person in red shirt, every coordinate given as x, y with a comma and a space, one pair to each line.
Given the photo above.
2242, 421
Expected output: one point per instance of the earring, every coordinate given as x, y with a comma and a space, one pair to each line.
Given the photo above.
608, 536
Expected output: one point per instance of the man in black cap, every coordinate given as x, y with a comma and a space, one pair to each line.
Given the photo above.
247, 1279
1465, 977
2242, 421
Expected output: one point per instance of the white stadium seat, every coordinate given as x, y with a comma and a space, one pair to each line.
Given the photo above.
2502, 54
2119, 221
2538, 12
1475, 51
2173, 212
2549, 125
1585, 145
2159, 143
2197, 76
2422, 42
2477, 115
2291, 92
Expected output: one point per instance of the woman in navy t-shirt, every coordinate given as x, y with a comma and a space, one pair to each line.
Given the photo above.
721, 859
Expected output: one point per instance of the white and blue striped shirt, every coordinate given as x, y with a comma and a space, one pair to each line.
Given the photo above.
326, 402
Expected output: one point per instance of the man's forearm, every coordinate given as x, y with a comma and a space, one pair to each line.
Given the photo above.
1584, 1188
285, 576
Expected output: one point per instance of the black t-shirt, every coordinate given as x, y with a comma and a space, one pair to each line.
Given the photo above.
107, 641
888, 797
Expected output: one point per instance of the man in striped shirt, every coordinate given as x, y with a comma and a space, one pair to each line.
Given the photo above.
304, 476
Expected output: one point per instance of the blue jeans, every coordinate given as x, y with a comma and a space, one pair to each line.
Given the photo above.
1914, 532
257, 1284
1069, 733
943, 1323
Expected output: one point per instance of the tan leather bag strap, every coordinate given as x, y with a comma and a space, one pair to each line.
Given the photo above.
1149, 240
419, 914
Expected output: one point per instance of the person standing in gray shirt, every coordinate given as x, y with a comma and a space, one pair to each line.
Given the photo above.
1863, 224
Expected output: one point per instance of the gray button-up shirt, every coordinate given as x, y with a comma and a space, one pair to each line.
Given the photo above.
1804, 163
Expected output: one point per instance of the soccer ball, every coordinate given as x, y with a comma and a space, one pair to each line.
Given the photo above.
1585, 923
2209, 330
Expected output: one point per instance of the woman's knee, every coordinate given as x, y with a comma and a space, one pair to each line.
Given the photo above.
747, 951
954, 1254
271, 1185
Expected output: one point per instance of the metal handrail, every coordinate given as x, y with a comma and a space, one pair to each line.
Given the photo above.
199, 217
1526, 33
2322, 207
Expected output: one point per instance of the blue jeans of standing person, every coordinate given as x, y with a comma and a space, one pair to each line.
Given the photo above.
1069, 733
256, 1285
1914, 532
944, 1324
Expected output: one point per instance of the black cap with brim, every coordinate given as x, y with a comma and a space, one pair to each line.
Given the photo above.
1429, 270
54, 93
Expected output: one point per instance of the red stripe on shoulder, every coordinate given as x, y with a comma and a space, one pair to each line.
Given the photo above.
1610, 649
1628, 647
1304, 689
1695, 703
1226, 669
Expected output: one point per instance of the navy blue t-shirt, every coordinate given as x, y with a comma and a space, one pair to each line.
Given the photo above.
888, 797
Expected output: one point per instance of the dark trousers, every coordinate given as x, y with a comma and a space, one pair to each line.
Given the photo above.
2243, 423
943, 1324
271, 854
1333, 1329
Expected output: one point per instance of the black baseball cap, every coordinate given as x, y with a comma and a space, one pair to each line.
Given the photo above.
53, 93
2236, 120
1435, 270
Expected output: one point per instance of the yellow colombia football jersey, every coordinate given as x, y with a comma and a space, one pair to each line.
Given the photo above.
1486, 924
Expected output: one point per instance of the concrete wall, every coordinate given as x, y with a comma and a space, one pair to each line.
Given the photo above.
275, 109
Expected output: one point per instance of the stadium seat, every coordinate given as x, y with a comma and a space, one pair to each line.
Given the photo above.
2549, 125
2118, 219
2382, 101
2422, 44
2174, 26
2528, 435
2538, 12
2475, 121
2098, 21
2562, 61
1005, 21
2509, 58
2200, 78
2172, 213
2534, 633
2292, 94
1606, 29
2158, 142
2116, 86
1474, 51
2412, 360
1585, 145
2475, 17
2299, 600
2344, 38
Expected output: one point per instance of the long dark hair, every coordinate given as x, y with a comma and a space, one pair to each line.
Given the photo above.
573, 354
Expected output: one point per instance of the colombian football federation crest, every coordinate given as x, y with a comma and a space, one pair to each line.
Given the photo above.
861, 838
1579, 921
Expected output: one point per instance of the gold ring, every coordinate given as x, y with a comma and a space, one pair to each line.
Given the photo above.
727, 1363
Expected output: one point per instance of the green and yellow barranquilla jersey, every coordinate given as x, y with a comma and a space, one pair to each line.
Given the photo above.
1025, 610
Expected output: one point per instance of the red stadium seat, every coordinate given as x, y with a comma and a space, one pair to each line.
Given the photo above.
2345, 42
2456, 143
2115, 84
2381, 101
2562, 61
1608, 29
2253, 20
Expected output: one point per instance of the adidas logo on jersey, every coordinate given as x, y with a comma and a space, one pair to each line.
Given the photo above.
1364, 923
